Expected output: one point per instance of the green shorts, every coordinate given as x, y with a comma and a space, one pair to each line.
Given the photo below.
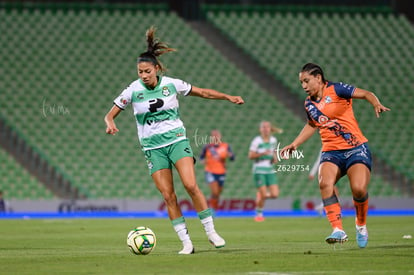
264, 179
164, 157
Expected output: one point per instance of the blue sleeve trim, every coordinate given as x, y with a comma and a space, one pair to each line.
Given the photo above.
344, 90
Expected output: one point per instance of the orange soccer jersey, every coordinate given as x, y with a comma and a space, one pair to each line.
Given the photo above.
334, 117
215, 156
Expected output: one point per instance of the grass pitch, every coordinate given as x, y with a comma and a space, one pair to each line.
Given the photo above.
276, 246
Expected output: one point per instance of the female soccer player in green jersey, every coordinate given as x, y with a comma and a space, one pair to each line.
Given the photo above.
262, 152
162, 135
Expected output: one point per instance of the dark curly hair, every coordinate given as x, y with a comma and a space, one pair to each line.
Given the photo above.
314, 69
155, 48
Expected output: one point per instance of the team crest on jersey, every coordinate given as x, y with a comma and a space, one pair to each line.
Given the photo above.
328, 99
165, 91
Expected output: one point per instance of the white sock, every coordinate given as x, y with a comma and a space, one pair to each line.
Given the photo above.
208, 225
182, 232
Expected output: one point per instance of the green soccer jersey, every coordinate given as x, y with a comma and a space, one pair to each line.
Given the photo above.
156, 111
263, 164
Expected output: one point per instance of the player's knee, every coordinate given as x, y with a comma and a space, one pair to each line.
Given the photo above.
169, 198
324, 184
273, 196
359, 193
214, 196
192, 189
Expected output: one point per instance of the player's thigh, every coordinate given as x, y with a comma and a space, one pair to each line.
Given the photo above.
185, 168
329, 174
182, 156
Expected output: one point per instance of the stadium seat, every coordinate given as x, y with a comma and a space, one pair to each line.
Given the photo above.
17, 182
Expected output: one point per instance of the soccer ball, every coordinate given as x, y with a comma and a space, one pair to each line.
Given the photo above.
141, 240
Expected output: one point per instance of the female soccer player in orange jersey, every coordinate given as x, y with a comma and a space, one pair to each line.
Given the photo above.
214, 156
344, 147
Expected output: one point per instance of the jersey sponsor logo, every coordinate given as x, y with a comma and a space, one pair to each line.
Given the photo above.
152, 121
323, 119
187, 150
155, 104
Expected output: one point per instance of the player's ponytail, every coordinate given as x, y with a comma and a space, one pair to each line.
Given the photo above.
155, 48
275, 129
314, 69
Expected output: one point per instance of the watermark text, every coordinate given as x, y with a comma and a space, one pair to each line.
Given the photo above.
200, 140
54, 109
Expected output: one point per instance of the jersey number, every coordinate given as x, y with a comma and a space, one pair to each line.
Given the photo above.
155, 104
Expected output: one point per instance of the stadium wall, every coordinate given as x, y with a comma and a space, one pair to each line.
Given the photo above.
242, 205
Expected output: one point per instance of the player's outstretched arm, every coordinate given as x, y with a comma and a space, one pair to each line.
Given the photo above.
371, 98
109, 120
213, 94
307, 131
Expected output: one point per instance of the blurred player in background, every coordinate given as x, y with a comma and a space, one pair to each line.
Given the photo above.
315, 167
312, 173
262, 152
344, 147
162, 135
214, 156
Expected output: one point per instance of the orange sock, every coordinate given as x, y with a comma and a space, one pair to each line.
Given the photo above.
333, 213
361, 209
213, 203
